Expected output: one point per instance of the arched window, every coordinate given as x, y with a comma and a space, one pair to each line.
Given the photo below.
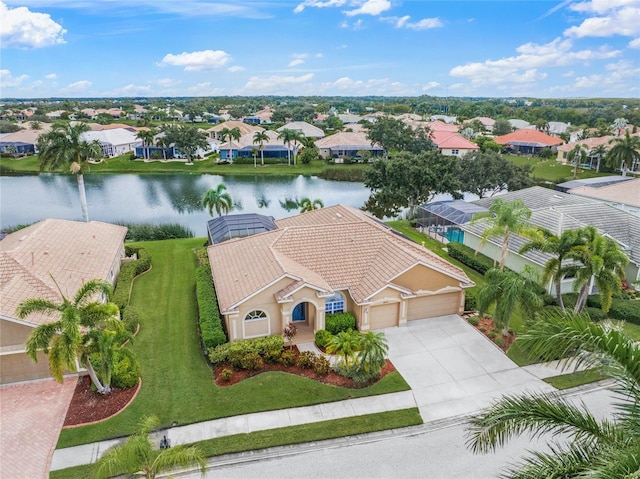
255, 315
334, 304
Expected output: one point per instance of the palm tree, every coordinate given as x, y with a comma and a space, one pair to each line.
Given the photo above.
217, 199
599, 152
577, 156
136, 456
619, 125
62, 146
288, 136
259, 137
307, 204
35, 125
602, 262
624, 152
64, 340
373, 351
598, 448
505, 218
508, 290
106, 344
147, 140
560, 247
345, 344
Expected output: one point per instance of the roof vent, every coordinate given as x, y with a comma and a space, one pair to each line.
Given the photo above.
557, 196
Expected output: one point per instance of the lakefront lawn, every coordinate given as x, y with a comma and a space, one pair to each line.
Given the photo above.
177, 383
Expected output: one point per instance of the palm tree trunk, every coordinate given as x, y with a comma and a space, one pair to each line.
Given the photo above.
559, 295
582, 298
83, 198
94, 378
504, 252
262, 156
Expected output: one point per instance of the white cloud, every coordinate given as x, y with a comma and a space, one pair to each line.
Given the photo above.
374, 86
635, 43
204, 88
568, 74
76, 87
403, 22
167, 82
51, 76
132, 90
611, 17
236, 68
430, 86
319, 4
22, 28
370, 7
197, 61
7, 80
275, 83
297, 61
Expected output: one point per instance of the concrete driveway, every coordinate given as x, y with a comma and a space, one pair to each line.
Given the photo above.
452, 368
31, 415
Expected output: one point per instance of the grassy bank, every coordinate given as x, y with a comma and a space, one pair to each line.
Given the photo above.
550, 170
177, 384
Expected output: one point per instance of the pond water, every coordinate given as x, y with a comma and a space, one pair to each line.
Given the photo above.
162, 198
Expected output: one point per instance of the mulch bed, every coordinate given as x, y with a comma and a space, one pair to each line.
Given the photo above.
332, 378
487, 324
90, 406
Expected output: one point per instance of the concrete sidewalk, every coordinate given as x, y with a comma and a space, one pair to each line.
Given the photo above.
90, 453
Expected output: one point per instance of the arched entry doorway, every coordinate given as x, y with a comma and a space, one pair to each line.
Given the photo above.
299, 314
303, 316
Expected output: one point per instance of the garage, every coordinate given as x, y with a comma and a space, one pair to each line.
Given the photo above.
432, 306
384, 316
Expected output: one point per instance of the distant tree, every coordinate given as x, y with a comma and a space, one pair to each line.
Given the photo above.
600, 152
577, 156
625, 152
542, 125
307, 204
619, 125
502, 127
218, 199
259, 137
602, 128
289, 136
488, 173
468, 133
394, 135
335, 123
487, 143
104, 118
407, 180
309, 154
35, 125
147, 140
187, 139
9, 126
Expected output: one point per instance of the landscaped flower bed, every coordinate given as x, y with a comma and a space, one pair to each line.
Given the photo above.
487, 327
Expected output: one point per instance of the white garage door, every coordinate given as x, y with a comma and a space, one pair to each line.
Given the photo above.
432, 306
384, 316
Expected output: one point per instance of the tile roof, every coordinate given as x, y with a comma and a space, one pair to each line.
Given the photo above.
626, 192
245, 128
590, 143
448, 140
331, 248
72, 252
305, 128
438, 125
345, 138
527, 135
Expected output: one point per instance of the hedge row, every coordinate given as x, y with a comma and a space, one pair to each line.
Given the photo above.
269, 348
154, 232
128, 272
337, 322
468, 256
624, 309
211, 329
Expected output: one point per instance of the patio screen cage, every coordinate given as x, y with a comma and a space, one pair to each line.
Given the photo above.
444, 217
238, 226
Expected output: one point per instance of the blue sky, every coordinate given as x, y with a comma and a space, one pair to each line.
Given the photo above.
106, 48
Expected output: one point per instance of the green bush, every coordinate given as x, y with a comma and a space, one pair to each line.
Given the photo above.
226, 374
470, 300
202, 256
211, 328
595, 314
623, 309
474, 321
322, 338
154, 232
321, 365
287, 358
499, 341
306, 359
342, 173
252, 362
468, 256
338, 322
569, 300
356, 372
267, 347
126, 373
548, 300
128, 272
131, 319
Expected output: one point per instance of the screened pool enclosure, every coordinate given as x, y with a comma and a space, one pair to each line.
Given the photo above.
442, 218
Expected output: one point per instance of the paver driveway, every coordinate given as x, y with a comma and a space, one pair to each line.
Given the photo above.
452, 368
31, 416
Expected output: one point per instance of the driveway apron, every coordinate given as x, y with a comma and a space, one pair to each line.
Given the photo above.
453, 369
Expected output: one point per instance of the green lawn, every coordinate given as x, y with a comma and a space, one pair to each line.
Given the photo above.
177, 384
287, 435
551, 170
571, 380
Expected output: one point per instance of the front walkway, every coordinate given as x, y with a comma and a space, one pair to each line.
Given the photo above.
31, 417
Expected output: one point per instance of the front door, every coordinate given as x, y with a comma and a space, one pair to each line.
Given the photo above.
299, 313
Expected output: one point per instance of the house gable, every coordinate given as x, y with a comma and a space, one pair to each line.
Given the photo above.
422, 278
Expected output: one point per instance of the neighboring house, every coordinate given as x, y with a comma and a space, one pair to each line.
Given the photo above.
623, 195
444, 118
214, 131
347, 145
114, 142
71, 252
308, 130
558, 212
349, 118
520, 124
452, 144
528, 141
590, 144
441, 126
558, 127
244, 147
597, 182
330, 260
265, 115
22, 142
486, 122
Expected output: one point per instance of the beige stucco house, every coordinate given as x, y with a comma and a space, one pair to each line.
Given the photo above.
333, 259
71, 252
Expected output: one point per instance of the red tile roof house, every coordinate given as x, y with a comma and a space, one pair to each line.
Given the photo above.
528, 141
72, 252
333, 259
452, 144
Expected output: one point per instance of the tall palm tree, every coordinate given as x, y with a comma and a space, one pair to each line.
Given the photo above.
65, 340
307, 204
505, 218
601, 261
288, 136
599, 152
259, 137
624, 152
577, 156
560, 247
597, 448
63, 146
147, 140
218, 199
508, 290
136, 456
619, 125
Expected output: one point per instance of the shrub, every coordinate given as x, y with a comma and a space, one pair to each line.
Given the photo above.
128, 272
321, 365
548, 300
211, 328
474, 321
492, 335
154, 232
131, 319
338, 322
569, 300
595, 314
226, 374
269, 348
288, 358
468, 256
322, 338
341, 173
306, 359
126, 373
202, 256
623, 309
356, 372
470, 300
251, 361
499, 341
483, 329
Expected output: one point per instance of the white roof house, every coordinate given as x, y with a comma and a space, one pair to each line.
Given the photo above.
115, 142
305, 128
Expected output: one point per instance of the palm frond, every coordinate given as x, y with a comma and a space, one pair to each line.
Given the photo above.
40, 339
558, 463
88, 290
37, 305
180, 456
